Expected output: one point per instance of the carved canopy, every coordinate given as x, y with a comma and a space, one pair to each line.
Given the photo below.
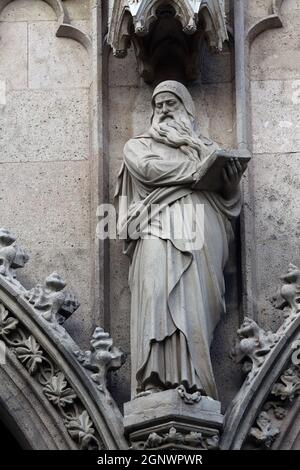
132, 20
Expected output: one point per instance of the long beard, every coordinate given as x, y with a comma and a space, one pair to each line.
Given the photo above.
178, 133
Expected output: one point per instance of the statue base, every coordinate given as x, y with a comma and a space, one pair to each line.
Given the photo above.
173, 419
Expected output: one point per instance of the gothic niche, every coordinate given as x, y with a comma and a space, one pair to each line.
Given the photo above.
167, 35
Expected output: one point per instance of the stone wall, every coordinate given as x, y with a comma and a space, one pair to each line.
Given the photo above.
44, 146
275, 95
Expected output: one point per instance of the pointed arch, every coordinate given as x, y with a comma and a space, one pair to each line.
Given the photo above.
27, 413
259, 387
47, 399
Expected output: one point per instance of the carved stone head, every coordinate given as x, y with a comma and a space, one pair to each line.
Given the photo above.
178, 90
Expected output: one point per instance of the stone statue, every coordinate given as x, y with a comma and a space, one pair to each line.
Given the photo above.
177, 291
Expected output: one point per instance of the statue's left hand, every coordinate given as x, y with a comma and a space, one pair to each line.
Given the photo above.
232, 175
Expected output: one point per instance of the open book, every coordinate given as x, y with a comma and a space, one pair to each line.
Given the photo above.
211, 172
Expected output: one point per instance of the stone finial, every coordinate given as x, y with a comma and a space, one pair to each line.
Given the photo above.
12, 257
289, 385
253, 346
289, 294
102, 357
54, 304
265, 431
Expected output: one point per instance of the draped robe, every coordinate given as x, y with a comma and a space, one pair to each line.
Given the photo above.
177, 292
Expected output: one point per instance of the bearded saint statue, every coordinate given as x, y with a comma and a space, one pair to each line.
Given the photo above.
177, 290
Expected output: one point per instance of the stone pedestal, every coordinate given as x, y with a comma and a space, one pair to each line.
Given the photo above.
173, 420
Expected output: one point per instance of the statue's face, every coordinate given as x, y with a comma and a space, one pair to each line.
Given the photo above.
168, 107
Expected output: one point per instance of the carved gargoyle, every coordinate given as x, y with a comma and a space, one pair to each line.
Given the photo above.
253, 345
102, 357
289, 294
54, 304
12, 257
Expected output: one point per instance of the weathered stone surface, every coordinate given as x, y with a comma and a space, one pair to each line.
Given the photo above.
120, 317
33, 10
83, 25
42, 188
77, 9
55, 62
217, 67
45, 125
27, 10
273, 258
13, 43
228, 379
62, 241
276, 186
122, 101
275, 54
120, 68
290, 6
275, 114
259, 8
165, 420
168, 404
215, 120
65, 261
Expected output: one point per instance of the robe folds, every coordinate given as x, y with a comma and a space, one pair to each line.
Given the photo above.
177, 290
